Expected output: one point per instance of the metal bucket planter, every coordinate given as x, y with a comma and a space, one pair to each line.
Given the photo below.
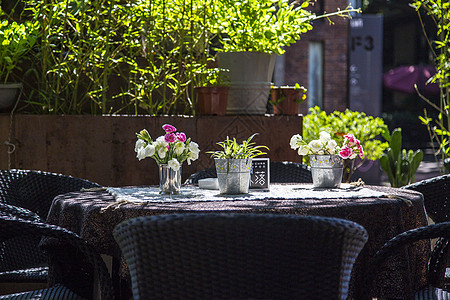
169, 180
326, 170
233, 175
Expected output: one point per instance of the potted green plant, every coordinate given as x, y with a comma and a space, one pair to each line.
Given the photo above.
286, 99
252, 33
233, 164
16, 40
212, 96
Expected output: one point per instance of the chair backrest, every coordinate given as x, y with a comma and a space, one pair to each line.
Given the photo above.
215, 255
436, 194
436, 198
280, 172
35, 190
438, 261
70, 246
289, 172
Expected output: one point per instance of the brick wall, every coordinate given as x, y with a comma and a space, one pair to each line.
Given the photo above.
334, 39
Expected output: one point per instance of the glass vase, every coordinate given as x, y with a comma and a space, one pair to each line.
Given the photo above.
169, 180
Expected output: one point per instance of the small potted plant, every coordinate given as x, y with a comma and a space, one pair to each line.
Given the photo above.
286, 99
326, 157
16, 41
233, 164
212, 96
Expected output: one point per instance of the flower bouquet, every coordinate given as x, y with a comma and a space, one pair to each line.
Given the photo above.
169, 151
327, 157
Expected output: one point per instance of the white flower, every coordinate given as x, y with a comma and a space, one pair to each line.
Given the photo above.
315, 146
162, 152
139, 144
324, 137
179, 148
192, 156
162, 142
193, 147
331, 146
174, 164
149, 150
140, 154
295, 141
303, 150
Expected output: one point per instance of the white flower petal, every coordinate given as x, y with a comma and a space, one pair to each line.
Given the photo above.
174, 164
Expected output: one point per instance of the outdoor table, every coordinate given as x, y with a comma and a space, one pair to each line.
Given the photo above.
383, 211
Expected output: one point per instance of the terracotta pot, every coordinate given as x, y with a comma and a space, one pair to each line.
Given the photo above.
290, 103
212, 100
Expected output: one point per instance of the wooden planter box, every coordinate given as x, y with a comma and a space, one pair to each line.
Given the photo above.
101, 148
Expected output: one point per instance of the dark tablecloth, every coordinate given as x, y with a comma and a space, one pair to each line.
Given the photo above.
94, 214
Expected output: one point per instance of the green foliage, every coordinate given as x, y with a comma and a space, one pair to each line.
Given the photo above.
365, 128
145, 56
439, 128
215, 77
263, 25
16, 40
233, 150
115, 56
399, 165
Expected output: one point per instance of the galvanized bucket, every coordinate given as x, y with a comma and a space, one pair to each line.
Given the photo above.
169, 180
326, 170
233, 175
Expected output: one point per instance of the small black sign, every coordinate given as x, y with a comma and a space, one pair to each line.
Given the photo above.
260, 174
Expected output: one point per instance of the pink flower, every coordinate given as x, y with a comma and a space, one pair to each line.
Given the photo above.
351, 139
361, 151
169, 128
181, 137
345, 152
170, 137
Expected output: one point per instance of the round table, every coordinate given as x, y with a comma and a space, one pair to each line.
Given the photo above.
94, 214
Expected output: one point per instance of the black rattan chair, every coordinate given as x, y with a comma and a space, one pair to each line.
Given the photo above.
436, 197
289, 172
280, 172
77, 283
436, 194
434, 288
34, 191
236, 256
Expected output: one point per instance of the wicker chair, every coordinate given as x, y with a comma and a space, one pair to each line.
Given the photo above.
436, 196
280, 172
81, 274
231, 256
435, 288
34, 191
